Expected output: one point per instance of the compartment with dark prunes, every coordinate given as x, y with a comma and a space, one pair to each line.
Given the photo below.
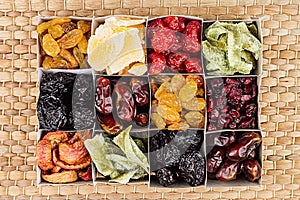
66, 101
174, 45
232, 103
234, 156
122, 101
177, 158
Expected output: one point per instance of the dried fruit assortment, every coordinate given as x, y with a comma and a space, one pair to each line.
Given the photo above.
234, 155
178, 102
174, 44
122, 101
64, 43
66, 101
118, 46
63, 158
175, 155
232, 103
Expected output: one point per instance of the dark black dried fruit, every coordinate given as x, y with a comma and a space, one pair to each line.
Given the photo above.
192, 168
165, 176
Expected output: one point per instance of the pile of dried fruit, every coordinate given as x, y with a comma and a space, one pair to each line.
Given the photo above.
178, 102
63, 43
176, 155
121, 102
65, 101
63, 157
174, 45
118, 46
234, 154
232, 103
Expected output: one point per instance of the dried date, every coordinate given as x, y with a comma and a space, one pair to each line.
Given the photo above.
124, 102
103, 96
228, 171
225, 139
215, 158
251, 169
140, 91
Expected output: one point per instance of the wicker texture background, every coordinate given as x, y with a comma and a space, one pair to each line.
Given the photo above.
279, 91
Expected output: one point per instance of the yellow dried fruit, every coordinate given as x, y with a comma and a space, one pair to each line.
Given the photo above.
168, 113
78, 55
69, 57
188, 91
178, 126
85, 26
71, 39
171, 100
82, 45
165, 87
60, 63
177, 82
158, 121
50, 46
195, 119
47, 62
197, 104
56, 31
45, 25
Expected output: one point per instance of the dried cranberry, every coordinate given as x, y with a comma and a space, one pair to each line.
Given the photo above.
225, 110
247, 123
221, 120
217, 82
175, 23
191, 37
235, 96
232, 125
211, 127
154, 26
254, 90
158, 63
232, 82
214, 114
176, 61
193, 65
247, 89
251, 110
248, 81
210, 105
245, 98
234, 114
221, 102
227, 89
164, 39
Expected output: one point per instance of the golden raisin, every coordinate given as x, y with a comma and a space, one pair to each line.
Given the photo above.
85, 26
188, 91
158, 121
178, 126
195, 119
56, 31
168, 113
165, 87
45, 25
70, 39
60, 63
69, 26
78, 55
171, 100
50, 46
197, 104
82, 45
47, 62
177, 82
69, 57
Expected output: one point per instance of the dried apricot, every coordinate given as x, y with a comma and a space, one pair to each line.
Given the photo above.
85, 26
70, 39
171, 100
82, 45
158, 121
188, 91
45, 25
50, 46
69, 57
56, 31
168, 113
178, 126
197, 104
78, 55
195, 119
47, 62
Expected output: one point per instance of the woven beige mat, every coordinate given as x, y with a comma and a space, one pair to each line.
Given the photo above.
279, 91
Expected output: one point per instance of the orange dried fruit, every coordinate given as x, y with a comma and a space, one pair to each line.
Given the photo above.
71, 39
171, 100
56, 31
196, 104
158, 121
78, 55
47, 62
45, 25
85, 26
60, 63
188, 91
82, 45
168, 113
69, 57
50, 46
178, 126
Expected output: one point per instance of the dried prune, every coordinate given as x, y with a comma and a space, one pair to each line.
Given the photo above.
166, 176
192, 168
193, 65
124, 102
215, 158
163, 40
244, 146
225, 139
175, 23
191, 37
140, 91
251, 169
103, 96
228, 171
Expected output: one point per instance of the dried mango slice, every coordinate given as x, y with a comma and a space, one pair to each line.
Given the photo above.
50, 46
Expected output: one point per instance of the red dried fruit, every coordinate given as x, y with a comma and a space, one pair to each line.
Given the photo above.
197, 78
175, 23
103, 96
164, 40
158, 63
228, 171
193, 65
86, 175
191, 38
225, 139
251, 169
154, 26
71, 153
124, 102
251, 110
176, 61
215, 158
